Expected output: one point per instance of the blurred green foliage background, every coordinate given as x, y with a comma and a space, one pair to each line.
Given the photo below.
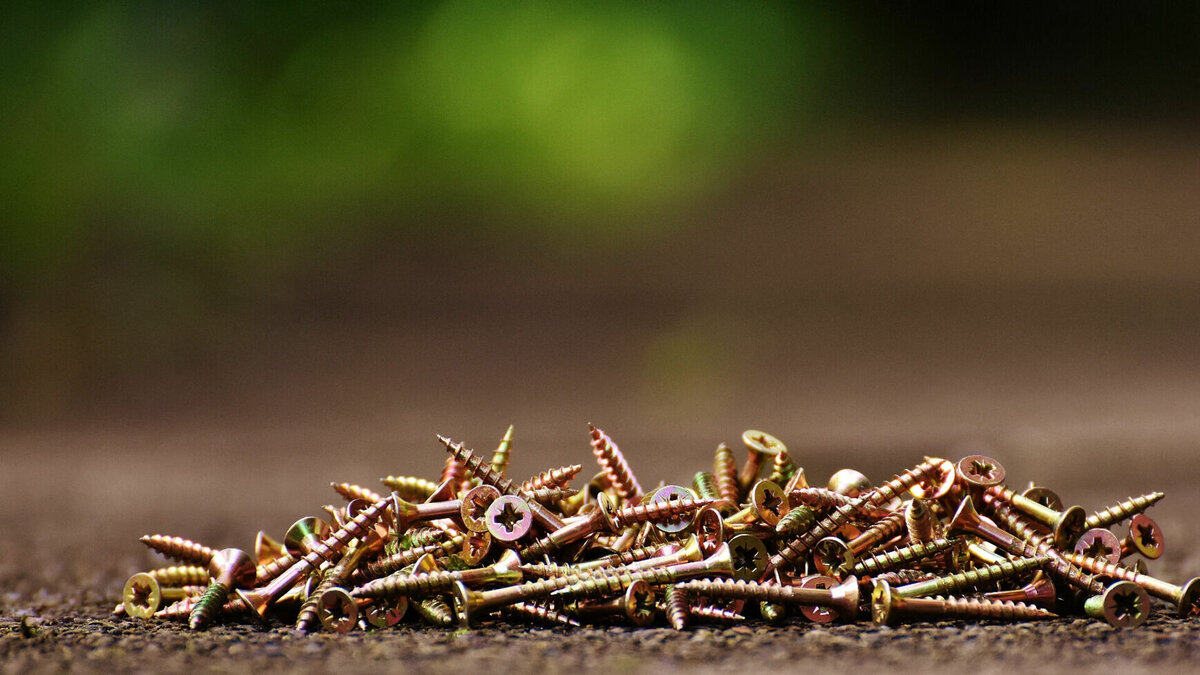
163, 162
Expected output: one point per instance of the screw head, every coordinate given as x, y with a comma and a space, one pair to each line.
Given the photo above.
1146, 536
142, 596
665, 494
762, 442
233, 566
769, 502
849, 482
1099, 543
1069, 527
1189, 599
639, 603
1124, 604
294, 540
337, 611
381, 615
474, 507
981, 471
508, 518
1044, 496
816, 613
475, 547
831, 553
749, 556
881, 602
710, 528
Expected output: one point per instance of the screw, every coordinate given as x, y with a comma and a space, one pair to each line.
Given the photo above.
782, 469
759, 444
888, 560
920, 522
886, 607
552, 478
1144, 537
818, 613
539, 613
678, 607
849, 483
381, 615
842, 598
341, 618
267, 549
178, 548
1100, 543
1186, 598
637, 605
980, 472
500, 456
351, 492
427, 583
831, 553
1066, 525
610, 459
509, 518
410, 487
230, 568
795, 520
664, 510
1123, 605
980, 575
1044, 496
725, 472
1040, 591
1122, 510
489, 476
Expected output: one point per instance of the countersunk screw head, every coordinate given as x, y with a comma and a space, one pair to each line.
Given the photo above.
475, 547
1146, 536
304, 531
1069, 527
710, 529
818, 613
337, 611
981, 471
666, 494
640, 603
881, 603
1099, 543
1124, 604
1044, 496
385, 614
142, 596
749, 556
474, 507
769, 502
831, 553
509, 518
1189, 599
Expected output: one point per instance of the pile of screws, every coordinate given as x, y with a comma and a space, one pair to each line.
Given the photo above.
939, 540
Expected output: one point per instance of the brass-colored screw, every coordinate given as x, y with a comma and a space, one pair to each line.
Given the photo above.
657, 511
1123, 604
1122, 510
678, 606
484, 472
842, 598
266, 549
782, 469
539, 613
351, 492
1186, 598
1100, 543
412, 488
1067, 525
178, 548
552, 478
1144, 536
886, 607
971, 578
759, 445
612, 461
831, 553
794, 521
849, 483
435, 611
230, 568
1040, 591
307, 619
636, 605
429, 583
920, 522
501, 455
725, 472
889, 560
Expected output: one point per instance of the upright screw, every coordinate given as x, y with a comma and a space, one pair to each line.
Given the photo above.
500, 456
759, 445
230, 568
612, 461
678, 606
484, 472
725, 472
552, 478
1067, 525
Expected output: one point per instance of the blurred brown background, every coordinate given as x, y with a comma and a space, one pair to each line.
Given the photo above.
244, 252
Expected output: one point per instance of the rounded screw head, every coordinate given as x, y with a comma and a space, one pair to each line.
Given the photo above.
337, 611
474, 507
1070, 526
749, 556
142, 596
849, 482
509, 518
710, 529
666, 494
1044, 496
1124, 604
1099, 543
981, 471
816, 613
475, 546
769, 502
639, 603
1146, 536
762, 442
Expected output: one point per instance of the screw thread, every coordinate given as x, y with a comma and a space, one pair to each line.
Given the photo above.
453, 471
994, 609
209, 604
1118, 512
277, 566
350, 492
398, 561
398, 585
888, 560
435, 611
715, 614
794, 521
539, 613
678, 606
736, 589
666, 510
924, 472
902, 577
782, 468
725, 472
549, 496
1036, 544
615, 581
971, 578
884, 529
705, 485
920, 521
613, 463
827, 526
410, 488
552, 478
178, 548
181, 575
500, 456
817, 498
482, 470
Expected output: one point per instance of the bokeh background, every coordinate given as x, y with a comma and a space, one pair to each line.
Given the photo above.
247, 250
